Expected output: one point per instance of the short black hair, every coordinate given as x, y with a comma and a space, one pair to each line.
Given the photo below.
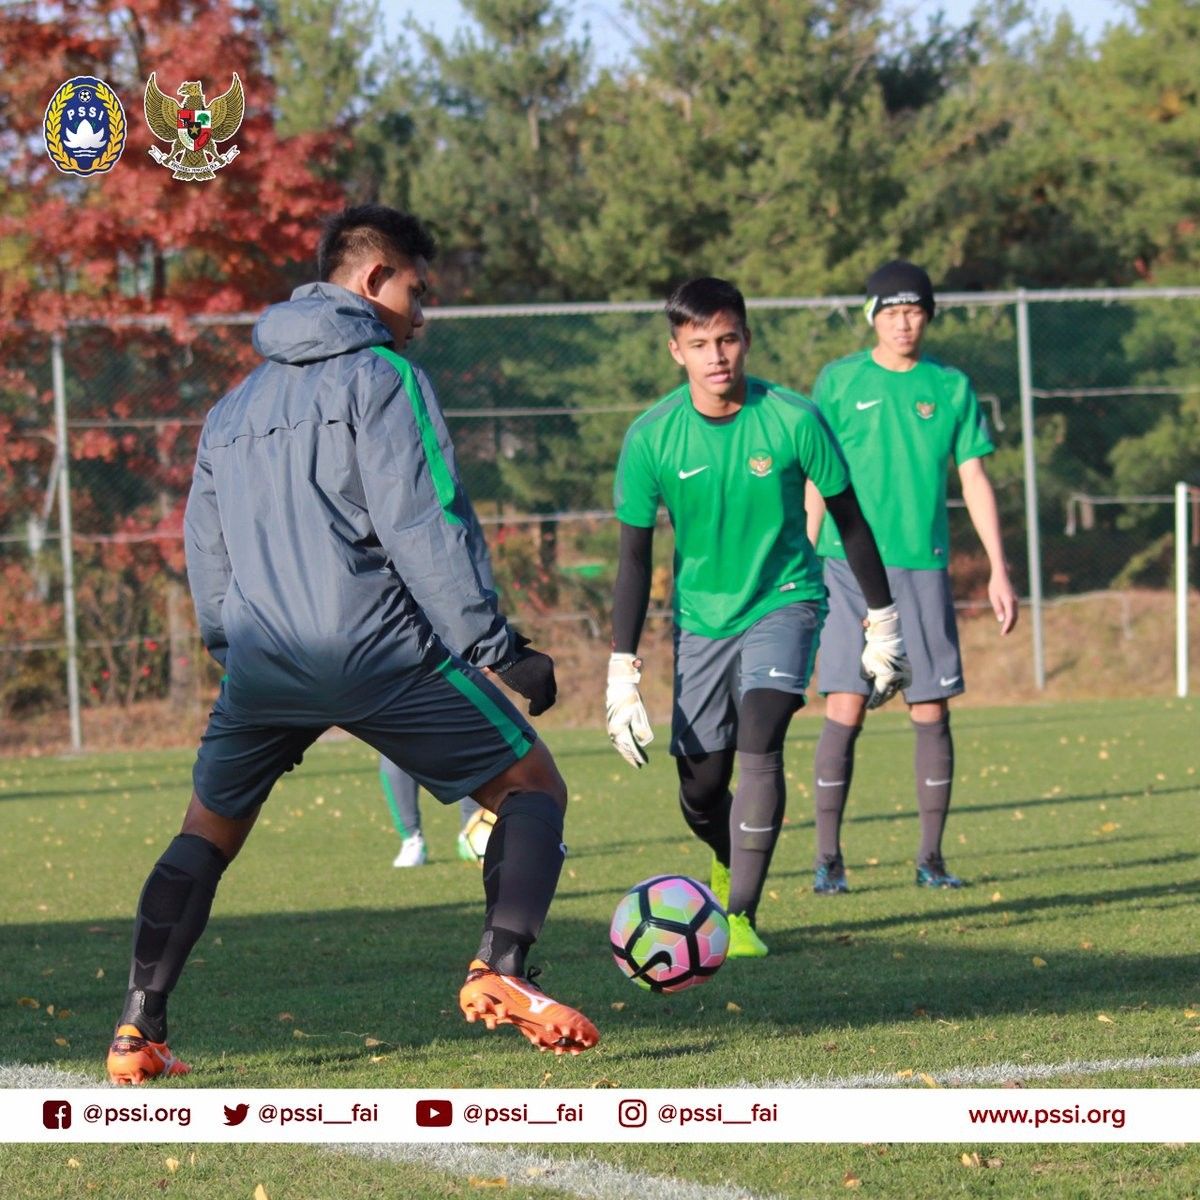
371, 228
698, 301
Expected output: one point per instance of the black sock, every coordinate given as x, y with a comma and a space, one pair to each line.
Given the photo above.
833, 770
705, 800
172, 913
521, 867
934, 763
754, 822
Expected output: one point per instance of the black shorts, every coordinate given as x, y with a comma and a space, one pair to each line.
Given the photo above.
451, 730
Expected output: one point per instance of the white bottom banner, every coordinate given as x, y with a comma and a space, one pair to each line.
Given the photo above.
179, 1114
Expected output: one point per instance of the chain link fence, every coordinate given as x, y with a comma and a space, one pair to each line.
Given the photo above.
1094, 400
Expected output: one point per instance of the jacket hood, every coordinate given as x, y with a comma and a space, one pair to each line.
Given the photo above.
320, 321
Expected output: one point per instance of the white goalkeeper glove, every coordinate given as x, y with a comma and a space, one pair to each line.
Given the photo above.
885, 664
628, 726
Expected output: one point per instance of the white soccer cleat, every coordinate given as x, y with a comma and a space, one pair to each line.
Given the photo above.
412, 852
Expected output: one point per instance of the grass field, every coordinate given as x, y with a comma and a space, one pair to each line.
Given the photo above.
324, 966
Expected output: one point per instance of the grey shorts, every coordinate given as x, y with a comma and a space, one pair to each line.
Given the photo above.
926, 620
452, 731
713, 674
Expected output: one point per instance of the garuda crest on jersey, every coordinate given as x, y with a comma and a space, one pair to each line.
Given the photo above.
194, 128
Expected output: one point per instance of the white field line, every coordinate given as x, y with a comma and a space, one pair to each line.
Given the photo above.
586, 1177
982, 1076
583, 1176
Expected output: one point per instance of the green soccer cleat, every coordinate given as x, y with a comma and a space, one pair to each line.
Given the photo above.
718, 882
744, 942
932, 873
829, 879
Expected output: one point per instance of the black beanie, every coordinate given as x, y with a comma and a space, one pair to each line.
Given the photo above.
898, 282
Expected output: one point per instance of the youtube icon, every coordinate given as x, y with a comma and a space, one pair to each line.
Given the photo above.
434, 1114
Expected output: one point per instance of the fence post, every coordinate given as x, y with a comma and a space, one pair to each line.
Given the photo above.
1181, 589
1029, 454
66, 544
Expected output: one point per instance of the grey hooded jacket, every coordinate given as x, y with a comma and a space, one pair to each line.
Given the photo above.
328, 535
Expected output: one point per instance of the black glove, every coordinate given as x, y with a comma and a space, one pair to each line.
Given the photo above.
530, 673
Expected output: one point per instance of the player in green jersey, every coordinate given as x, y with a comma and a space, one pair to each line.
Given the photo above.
901, 420
728, 456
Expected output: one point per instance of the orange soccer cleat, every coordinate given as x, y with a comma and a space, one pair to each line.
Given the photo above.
134, 1059
508, 1000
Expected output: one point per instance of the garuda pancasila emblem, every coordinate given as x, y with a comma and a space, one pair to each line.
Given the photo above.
194, 127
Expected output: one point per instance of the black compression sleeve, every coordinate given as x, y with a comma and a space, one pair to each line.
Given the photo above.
861, 551
631, 595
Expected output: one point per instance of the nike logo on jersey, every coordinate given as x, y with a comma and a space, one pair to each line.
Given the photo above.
949, 682
537, 1004
829, 782
862, 406
756, 828
688, 474
774, 674
936, 782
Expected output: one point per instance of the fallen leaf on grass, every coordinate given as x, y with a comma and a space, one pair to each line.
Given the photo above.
260, 1192
61, 1041
172, 1165
299, 1033
928, 1080
1110, 827
1085, 945
285, 1017
602, 1082
1105, 1018
1038, 961
74, 1163
1190, 1013
732, 1007
99, 972
872, 862
971, 1160
905, 1074
996, 897
371, 1042
501, 1181
850, 1180
617, 1005
28, 1002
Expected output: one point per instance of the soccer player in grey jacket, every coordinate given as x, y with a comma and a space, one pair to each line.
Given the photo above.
329, 554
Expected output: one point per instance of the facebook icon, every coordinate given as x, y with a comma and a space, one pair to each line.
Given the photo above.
56, 1114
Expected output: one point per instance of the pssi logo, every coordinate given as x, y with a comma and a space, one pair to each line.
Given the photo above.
84, 127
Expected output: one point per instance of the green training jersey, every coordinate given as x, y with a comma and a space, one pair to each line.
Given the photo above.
899, 431
734, 490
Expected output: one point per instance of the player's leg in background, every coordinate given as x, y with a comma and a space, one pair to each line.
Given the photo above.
467, 808
840, 679
400, 790
933, 762
833, 773
927, 616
